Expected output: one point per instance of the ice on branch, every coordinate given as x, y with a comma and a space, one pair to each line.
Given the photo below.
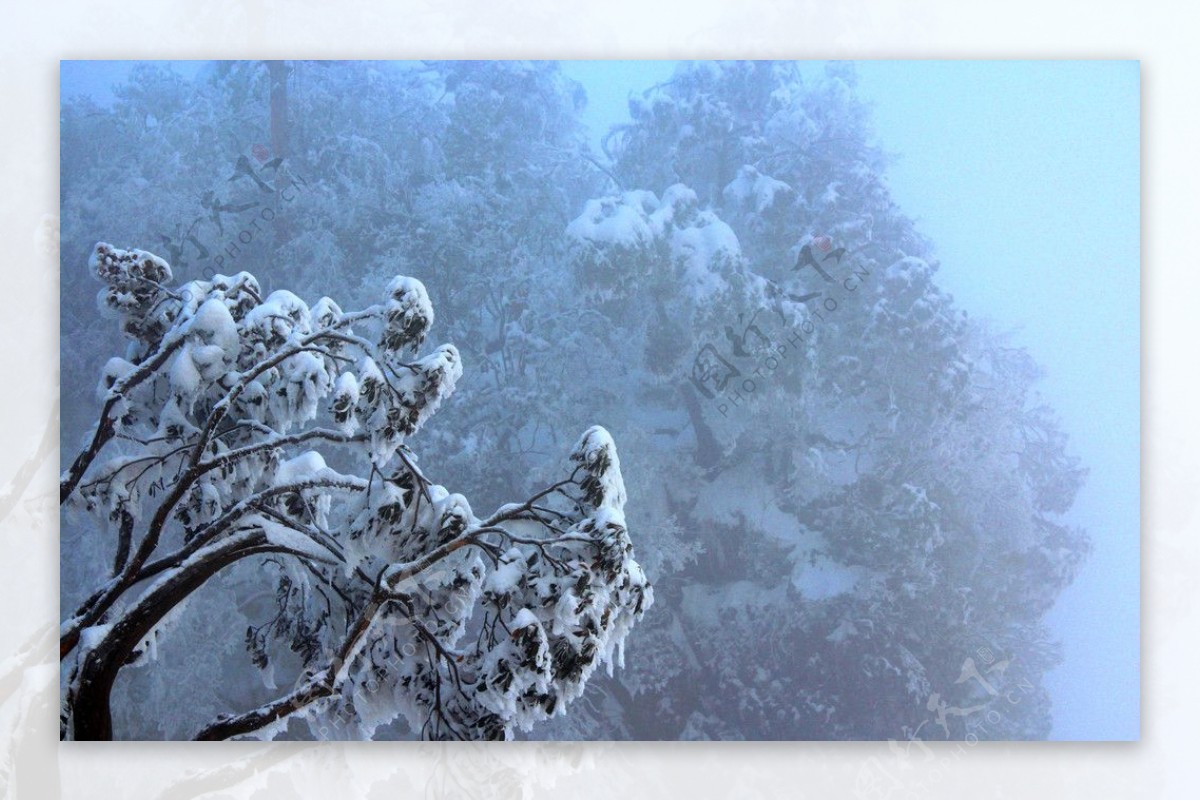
213, 455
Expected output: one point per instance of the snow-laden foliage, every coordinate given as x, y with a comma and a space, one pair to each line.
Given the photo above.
397, 599
617, 237
864, 489
829, 542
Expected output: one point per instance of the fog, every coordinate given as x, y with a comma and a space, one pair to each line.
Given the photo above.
1026, 177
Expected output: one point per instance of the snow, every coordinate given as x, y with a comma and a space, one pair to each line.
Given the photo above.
91, 636
306, 381
307, 467
705, 601
106, 261
345, 398
114, 370
453, 507
597, 451
751, 185
290, 538
750, 502
346, 387
524, 619
281, 313
209, 360
448, 364
610, 517
908, 273
326, 313
826, 579
212, 324
369, 372
185, 378
173, 417
746, 499
409, 308
700, 247
438, 374
700, 244
147, 648
504, 579
622, 221
845, 630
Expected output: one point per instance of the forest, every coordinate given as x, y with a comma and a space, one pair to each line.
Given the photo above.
755, 474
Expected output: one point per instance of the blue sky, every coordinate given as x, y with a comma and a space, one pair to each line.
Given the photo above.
1025, 175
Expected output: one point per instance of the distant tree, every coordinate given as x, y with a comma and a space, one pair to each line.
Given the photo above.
214, 447
467, 171
877, 491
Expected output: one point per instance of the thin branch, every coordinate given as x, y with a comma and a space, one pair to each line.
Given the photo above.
106, 427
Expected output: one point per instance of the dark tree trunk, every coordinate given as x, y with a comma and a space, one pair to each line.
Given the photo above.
278, 71
280, 141
708, 452
90, 712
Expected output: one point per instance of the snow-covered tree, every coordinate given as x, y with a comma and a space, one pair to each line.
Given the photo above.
241, 428
826, 547
863, 454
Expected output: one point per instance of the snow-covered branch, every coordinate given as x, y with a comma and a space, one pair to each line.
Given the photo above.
202, 459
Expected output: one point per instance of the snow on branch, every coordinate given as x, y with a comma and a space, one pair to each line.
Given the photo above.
217, 440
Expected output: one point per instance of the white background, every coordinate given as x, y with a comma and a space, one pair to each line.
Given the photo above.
1163, 35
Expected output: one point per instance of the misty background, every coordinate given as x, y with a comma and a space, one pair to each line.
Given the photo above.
1026, 177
